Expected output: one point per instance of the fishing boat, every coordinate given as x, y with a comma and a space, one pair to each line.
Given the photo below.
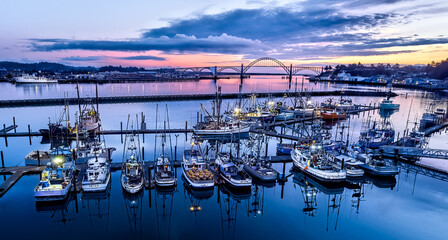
90, 149
375, 167
283, 116
164, 172
60, 128
216, 124
260, 170
194, 170
132, 179
314, 161
351, 165
341, 104
33, 158
89, 119
387, 104
26, 78
414, 139
432, 118
380, 168
285, 148
97, 175
232, 174
332, 114
376, 135
302, 108
217, 128
56, 180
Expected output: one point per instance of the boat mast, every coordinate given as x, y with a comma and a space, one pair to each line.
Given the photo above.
96, 90
79, 101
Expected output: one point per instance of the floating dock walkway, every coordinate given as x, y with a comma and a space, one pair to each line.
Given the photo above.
180, 97
16, 173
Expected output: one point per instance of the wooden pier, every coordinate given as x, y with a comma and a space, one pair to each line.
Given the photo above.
180, 97
16, 173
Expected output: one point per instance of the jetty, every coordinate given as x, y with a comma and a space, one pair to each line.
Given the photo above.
177, 97
15, 174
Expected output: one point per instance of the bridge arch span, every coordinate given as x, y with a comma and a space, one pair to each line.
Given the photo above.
269, 62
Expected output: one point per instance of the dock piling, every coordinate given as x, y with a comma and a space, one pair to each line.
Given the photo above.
143, 153
14, 124
29, 133
38, 158
3, 160
121, 131
4, 131
186, 127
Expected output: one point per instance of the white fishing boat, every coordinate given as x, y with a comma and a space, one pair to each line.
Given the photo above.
89, 119
225, 128
313, 160
97, 175
164, 172
194, 170
26, 78
90, 149
375, 167
232, 174
387, 104
33, 158
56, 179
351, 165
132, 179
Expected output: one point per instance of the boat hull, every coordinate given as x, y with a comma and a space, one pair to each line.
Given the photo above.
131, 189
236, 184
318, 174
52, 195
222, 132
96, 187
165, 183
259, 176
386, 172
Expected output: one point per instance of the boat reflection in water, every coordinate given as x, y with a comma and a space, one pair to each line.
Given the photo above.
59, 211
195, 197
311, 188
229, 200
164, 199
134, 211
98, 206
382, 182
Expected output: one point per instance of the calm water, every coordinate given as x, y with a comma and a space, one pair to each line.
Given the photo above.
412, 206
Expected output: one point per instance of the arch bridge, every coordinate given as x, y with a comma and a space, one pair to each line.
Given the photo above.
260, 62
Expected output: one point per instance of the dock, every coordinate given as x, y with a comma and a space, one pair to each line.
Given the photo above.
436, 128
413, 152
178, 97
16, 173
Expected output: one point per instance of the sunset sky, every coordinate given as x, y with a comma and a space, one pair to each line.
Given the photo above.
203, 33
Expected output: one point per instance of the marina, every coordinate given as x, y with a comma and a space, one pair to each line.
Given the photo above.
224, 120
254, 154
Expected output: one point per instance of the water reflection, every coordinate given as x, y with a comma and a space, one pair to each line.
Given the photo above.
134, 212
98, 207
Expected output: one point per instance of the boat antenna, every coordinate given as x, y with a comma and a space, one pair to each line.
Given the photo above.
138, 142
409, 113
96, 90
155, 136
168, 120
126, 137
79, 101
